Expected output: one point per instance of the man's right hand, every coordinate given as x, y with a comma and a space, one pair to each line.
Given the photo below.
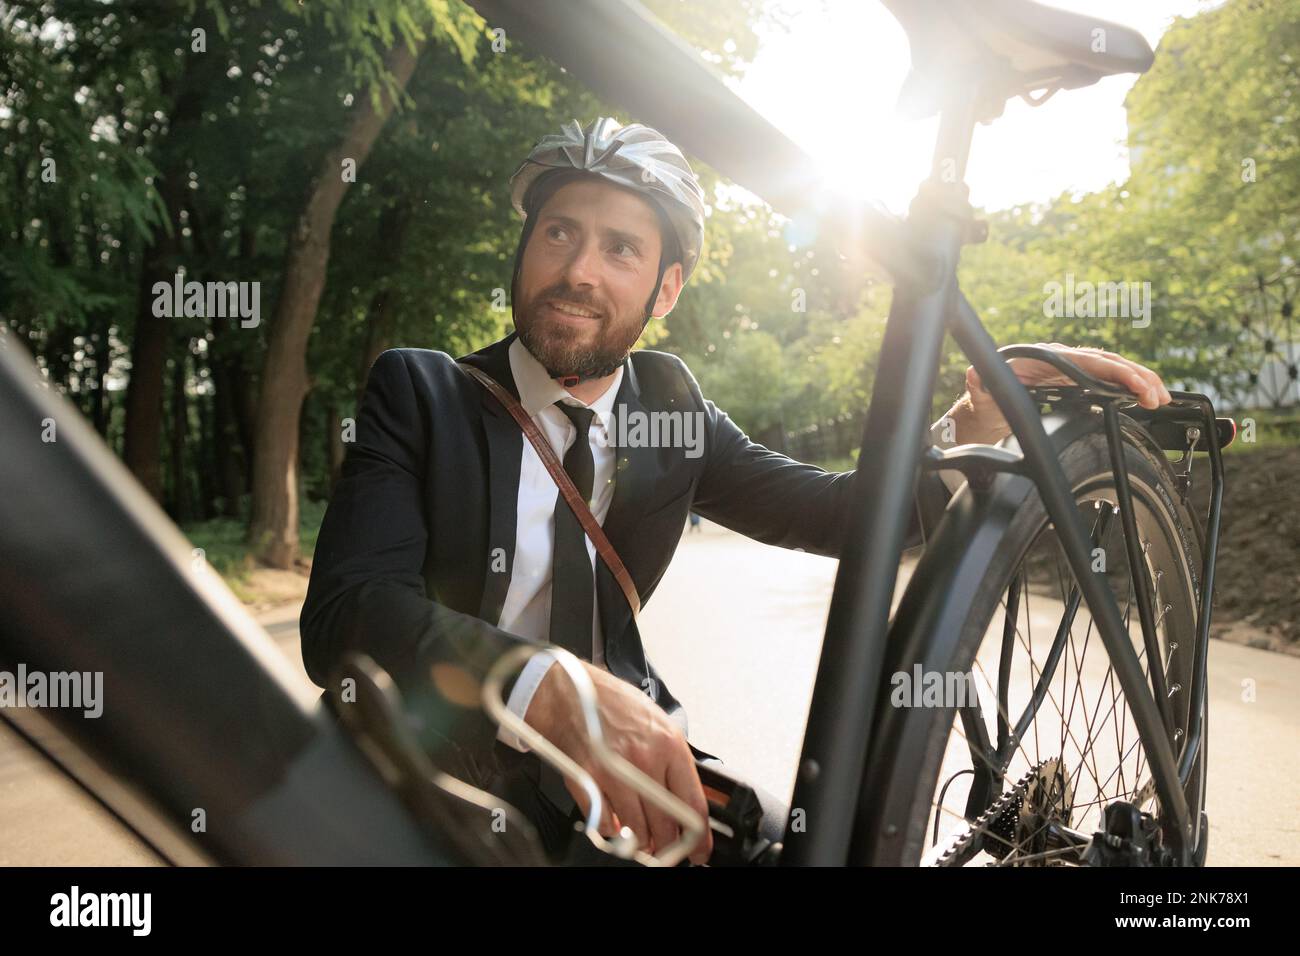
638, 731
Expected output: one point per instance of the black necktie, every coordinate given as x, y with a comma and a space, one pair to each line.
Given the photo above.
572, 579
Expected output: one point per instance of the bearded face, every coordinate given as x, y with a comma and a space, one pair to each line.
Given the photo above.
588, 270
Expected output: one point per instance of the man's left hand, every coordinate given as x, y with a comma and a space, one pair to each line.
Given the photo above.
978, 418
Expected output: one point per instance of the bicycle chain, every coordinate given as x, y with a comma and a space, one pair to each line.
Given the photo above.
999, 819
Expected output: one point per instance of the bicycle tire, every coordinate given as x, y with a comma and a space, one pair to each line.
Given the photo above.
924, 735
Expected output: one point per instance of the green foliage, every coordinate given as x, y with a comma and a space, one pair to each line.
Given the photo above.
774, 330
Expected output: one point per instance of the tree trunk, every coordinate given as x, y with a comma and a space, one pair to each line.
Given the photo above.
379, 336
144, 392
208, 456
97, 336
273, 530
229, 446
242, 384
393, 222
225, 478
97, 342
142, 433
181, 504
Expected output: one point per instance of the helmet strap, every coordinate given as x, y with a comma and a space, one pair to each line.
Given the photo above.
669, 253
654, 293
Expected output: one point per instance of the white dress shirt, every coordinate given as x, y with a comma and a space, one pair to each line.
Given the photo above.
527, 608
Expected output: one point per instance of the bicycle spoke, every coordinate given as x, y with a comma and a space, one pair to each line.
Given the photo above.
1044, 855
961, 733
1110, 681
1115, 696
1032, 763
957, 729
1078, 695
1125, 757
1033, 682
1102, 759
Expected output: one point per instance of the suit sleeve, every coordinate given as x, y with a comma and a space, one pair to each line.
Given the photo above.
367, 589
774, 499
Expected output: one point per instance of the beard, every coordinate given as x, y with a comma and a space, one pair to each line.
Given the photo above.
565, 351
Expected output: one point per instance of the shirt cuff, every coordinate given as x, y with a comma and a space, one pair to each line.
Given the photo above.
522, 695
952, 478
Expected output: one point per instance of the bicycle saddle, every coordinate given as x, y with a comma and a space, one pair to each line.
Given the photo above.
1015, 46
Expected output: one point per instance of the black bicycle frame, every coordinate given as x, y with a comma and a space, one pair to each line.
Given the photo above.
829, 781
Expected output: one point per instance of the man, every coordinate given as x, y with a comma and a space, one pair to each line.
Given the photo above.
446, 542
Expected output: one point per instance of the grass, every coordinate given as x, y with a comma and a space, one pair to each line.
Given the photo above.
224, 547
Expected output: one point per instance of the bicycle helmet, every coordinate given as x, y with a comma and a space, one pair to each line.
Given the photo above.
633, 156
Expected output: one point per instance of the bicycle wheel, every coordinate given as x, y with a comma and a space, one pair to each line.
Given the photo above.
1021, 771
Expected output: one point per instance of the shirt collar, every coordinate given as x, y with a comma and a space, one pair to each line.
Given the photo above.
537, 390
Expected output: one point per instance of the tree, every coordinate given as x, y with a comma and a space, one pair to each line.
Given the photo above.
273, 529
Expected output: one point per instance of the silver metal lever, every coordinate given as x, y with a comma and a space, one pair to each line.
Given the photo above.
624, 847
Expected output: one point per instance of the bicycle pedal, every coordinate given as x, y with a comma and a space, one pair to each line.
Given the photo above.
736, 810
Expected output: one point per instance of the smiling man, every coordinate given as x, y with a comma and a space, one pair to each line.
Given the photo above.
446, 542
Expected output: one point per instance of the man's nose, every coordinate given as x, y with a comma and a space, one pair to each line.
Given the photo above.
583, 267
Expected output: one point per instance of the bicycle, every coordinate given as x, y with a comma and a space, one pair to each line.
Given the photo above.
1084, 474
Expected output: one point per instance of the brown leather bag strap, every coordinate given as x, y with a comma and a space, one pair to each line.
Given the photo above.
553, 464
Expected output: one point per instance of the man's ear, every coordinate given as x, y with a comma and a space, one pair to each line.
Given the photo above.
669, 289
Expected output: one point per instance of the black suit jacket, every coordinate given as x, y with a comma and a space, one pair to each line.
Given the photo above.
403, 568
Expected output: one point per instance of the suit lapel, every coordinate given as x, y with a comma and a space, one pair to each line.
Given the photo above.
505, 450
636, 473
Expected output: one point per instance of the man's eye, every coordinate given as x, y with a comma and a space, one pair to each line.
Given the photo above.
557, 232
630, 250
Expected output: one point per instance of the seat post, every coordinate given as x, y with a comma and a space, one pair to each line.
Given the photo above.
956, 129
